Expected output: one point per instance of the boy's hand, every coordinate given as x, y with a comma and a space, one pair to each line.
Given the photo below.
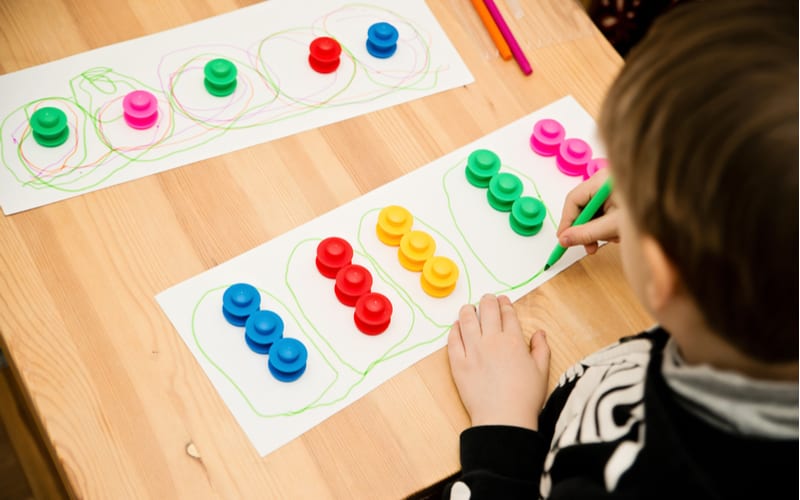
604, 227
502, 379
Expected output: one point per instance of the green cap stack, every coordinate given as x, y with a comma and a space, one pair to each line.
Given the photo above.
220, 77
49, 127
504, 189
482, 165
527, 216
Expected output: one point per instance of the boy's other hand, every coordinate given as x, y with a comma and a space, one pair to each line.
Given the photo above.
605, 227
502, 379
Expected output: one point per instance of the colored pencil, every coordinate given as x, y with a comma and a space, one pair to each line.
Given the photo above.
516, 51
491, 27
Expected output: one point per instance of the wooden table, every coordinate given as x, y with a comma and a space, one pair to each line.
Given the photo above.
126, 409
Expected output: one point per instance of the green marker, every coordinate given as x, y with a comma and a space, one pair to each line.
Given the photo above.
585, 216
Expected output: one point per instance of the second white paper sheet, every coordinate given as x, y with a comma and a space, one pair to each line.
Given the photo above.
343, 363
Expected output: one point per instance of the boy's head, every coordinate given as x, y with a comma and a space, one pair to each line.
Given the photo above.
701, 128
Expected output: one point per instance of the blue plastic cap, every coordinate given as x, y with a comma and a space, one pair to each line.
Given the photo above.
262, 329
382, 40
240, 301
287, 359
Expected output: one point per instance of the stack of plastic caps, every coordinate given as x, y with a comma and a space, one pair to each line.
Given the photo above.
220, 77
504, 192
264, 332
240, 301
382, 40
49, 126
573, 156
140, 109
288, 359
353, 285
416, 251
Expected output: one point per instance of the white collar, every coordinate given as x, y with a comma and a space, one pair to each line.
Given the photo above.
732, 401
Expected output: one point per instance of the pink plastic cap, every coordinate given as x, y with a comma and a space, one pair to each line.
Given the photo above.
573, 156
593, 166
140, 109
547, 136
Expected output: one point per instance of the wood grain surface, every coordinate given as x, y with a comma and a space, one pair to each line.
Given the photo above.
126, 409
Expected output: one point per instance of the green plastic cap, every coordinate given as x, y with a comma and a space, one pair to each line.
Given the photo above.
220, 77
527, 216
482, 165
49, 127
504, 189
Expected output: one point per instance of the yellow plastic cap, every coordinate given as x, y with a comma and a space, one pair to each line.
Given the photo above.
393, 222
416, 247
439, 276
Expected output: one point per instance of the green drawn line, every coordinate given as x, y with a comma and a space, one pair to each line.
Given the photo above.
397, 349
509, 286
375, 263
78, 173
233, 382
322, 337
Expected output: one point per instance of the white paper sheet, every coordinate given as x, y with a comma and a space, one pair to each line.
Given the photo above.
344, 364
277, 94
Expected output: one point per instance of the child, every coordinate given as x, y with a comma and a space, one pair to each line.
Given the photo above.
701, 128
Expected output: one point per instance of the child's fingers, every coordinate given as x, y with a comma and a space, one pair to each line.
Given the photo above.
540, 351
469, 327
490, 315
455, 344
508, 316
603, 228
578, 198
572, 208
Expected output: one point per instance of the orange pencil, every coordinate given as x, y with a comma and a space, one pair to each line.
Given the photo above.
491, 27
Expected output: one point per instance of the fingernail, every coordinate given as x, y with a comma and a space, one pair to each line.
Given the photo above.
565, 241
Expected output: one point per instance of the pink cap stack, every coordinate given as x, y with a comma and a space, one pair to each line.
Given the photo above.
140, 109
547, 136
573, 156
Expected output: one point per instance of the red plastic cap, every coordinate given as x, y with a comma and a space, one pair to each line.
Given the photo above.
333, 254
373, 313
352, 282
324, 54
